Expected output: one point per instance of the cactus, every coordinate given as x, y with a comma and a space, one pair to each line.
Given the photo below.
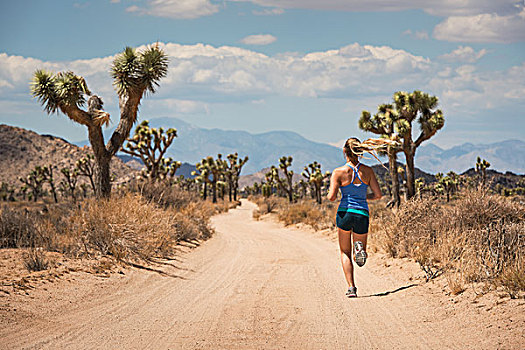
150, 145
134, 74
383, 123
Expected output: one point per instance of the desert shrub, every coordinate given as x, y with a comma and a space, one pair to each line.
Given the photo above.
17, 228
478, 236
164, 194
307, 212
266, 205
35, 260
125, 227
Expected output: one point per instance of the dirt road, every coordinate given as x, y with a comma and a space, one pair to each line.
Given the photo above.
255, 285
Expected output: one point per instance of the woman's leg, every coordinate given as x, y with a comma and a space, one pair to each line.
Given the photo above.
361, 238
345, 246
360, 249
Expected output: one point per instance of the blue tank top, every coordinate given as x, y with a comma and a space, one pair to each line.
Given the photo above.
354, 195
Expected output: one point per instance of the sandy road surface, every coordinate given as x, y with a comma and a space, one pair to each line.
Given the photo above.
255, 285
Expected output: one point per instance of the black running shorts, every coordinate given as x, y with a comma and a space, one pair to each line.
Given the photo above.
349, 221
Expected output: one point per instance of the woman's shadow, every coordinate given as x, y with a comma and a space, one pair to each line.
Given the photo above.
382, 294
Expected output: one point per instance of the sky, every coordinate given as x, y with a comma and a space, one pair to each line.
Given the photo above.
307, 66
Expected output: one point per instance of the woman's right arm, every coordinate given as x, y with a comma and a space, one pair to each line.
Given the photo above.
334, 186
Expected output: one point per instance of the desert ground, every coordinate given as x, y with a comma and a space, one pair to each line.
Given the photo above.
257, 285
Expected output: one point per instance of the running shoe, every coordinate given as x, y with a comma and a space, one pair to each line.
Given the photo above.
351, 292
359, 254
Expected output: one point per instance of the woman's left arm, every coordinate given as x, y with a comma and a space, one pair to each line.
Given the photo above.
374, 186
334, 186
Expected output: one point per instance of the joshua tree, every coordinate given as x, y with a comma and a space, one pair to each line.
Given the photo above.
412, 107
134, 74
150, 145
86, 167
48, 174
202, 176
383, 123
214, 168
481, 168
35, 182
69, 184
312, 172
446, 183
232, 172
285, 184
7, 193
420, 185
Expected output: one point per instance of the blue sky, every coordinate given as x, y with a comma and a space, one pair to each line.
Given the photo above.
259, 65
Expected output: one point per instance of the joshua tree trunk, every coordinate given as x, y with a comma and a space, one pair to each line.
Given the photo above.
214, 191
410, 183
102, 178
392, 164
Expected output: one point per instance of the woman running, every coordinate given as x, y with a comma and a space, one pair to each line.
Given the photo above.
353, 179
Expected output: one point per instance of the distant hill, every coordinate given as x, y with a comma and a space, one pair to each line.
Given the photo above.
194, 143
21, 150
503, 156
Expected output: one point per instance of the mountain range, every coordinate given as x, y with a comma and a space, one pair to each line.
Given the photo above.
194, 143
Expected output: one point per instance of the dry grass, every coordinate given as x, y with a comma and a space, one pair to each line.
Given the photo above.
35, 260
305, 211
266, 205
478, 238
129, 227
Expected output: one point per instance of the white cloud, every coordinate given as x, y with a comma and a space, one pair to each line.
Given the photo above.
268, 12
464, 54
259, 39
418, 34
443, 8
200, 75
185, 106
179, 9
483, 28
115, 1
468, 20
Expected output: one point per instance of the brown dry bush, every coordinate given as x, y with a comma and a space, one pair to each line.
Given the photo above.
127, 227
266, 205
17, 228
164, 194
35, 260
308, 212
479, 237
